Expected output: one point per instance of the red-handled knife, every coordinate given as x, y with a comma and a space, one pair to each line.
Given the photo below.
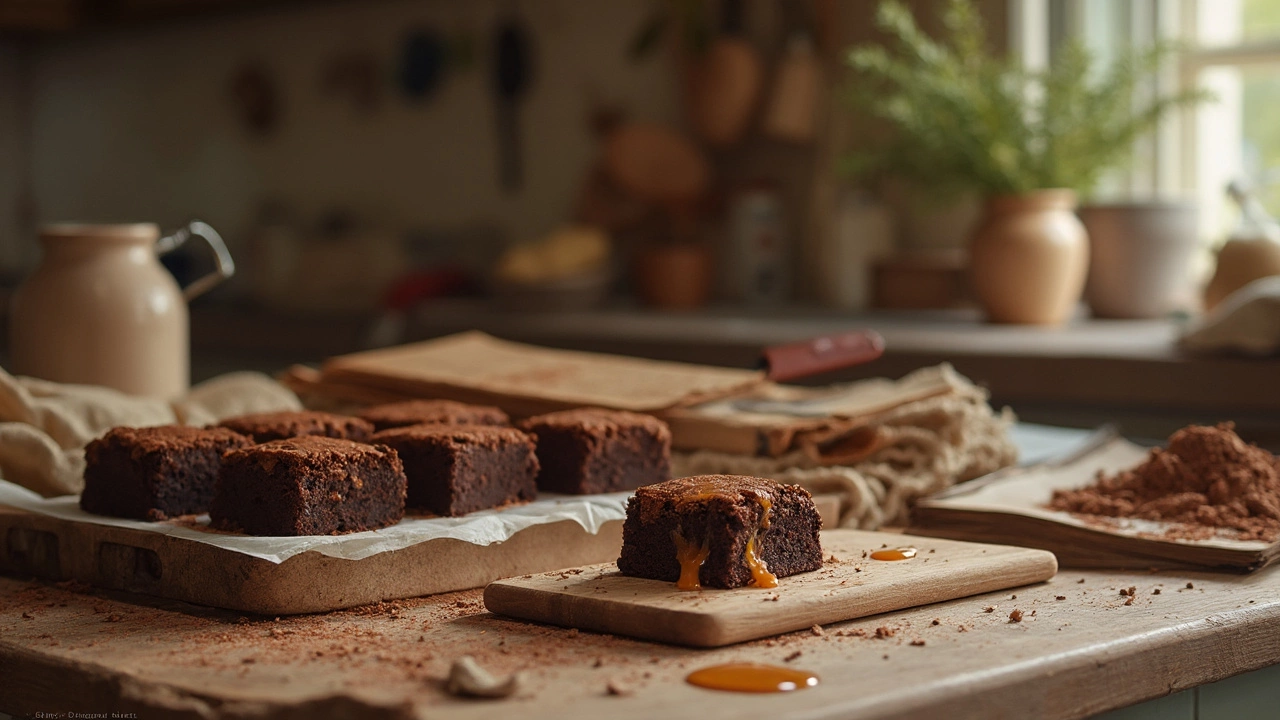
821, 354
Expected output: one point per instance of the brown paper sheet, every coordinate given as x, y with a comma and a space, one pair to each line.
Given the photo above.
527, 380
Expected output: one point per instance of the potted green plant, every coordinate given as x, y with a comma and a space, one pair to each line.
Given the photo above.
1028, 141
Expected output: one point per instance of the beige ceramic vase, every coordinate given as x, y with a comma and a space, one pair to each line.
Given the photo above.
1028, 258
101, 309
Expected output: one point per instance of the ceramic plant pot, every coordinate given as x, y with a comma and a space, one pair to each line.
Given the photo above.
1028, 258
1140, 257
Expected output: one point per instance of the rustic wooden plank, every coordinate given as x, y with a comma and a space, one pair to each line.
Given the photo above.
1068, 658
848, 586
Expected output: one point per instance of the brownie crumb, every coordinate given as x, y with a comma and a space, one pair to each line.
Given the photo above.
936, 621
1015, 616
1128, 601
793, 656
1059, 597
884, 632
917, 643
989, 609
1191, 586
1080, 581
817, 630
1156, 591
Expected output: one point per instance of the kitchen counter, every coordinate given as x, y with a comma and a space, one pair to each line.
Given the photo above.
1080, 649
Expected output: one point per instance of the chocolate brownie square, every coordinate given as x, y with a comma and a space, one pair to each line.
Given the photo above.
457, 469
265, 427
155, 473
309, 485
595, 451
431, 412
721, 531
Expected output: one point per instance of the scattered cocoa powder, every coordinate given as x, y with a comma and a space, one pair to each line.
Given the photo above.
1205, 481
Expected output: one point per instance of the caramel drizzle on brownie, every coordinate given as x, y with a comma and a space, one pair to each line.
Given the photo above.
760, 575
691, 558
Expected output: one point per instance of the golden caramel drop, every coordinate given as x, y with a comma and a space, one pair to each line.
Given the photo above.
760, 575
894, 554
752, 677
691, 557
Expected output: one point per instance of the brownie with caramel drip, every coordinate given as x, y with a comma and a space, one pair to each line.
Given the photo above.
722, 531
592, 450
268, 426
309, 486
155, 473
458, 469
432, 412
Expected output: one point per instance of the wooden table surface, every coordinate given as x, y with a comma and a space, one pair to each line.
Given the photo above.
68, 649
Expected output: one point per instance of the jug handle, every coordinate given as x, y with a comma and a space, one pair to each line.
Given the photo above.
224, 266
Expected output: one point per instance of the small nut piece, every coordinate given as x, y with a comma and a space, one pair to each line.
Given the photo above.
467, 678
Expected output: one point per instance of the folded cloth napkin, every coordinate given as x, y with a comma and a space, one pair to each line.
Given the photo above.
911, 451
44, 425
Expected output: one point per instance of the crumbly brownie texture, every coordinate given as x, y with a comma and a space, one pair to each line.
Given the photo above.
265, 427
715, 517
457, 469
155, 473
309, 486
595, 451
419, 412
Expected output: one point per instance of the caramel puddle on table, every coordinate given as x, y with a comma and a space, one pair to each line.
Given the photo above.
894, 554
751, 678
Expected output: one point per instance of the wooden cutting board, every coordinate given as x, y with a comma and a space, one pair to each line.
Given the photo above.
174, 567
850, 585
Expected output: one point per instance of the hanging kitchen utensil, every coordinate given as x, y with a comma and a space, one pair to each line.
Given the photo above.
422, 64
793, 106
512, 75
256, 98
722, 83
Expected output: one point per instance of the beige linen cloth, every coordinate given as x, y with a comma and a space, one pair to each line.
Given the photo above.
44, 425
920, 447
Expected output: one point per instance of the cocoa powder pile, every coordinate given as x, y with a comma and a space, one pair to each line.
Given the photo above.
1207, 479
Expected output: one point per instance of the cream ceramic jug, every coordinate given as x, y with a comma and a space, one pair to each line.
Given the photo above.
101, 309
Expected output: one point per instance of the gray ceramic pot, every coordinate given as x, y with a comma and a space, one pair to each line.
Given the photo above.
1140, 258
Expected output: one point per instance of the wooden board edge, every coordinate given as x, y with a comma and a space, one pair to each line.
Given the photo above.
162, 566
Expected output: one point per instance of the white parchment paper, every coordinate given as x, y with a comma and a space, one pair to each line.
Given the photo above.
480, 528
